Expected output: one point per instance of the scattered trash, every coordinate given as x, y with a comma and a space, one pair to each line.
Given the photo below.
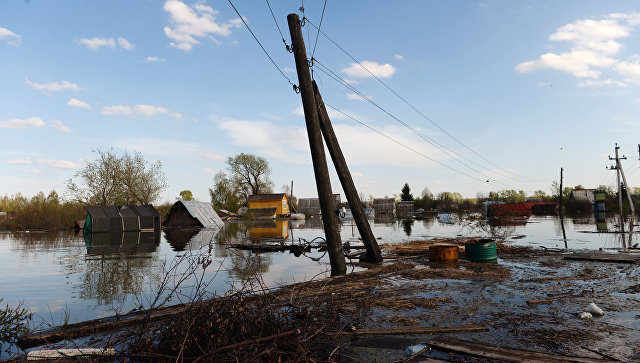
594, 310
414, 349
585, 315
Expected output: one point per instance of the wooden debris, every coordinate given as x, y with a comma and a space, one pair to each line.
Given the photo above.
511, 355
418, 330
539, 302
603, 257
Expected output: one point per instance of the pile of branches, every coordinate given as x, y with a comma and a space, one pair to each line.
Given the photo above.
242, 327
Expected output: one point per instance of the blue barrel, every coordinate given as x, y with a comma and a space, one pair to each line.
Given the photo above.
483, 250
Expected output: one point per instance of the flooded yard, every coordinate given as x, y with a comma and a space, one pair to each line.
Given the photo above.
64, 277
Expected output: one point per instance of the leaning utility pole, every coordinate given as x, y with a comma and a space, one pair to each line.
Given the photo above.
359, 215
620, 171
564, 233
323, 183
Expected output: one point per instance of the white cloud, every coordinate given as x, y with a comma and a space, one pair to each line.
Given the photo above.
208, 171
48, 88
288, 70
58, 164
267, 139
20, 162
11, 37
357, 174
118, 110
356, 97
138, 110
398, 57
176, 115
603, 83
576, 62
594, 45
630, 70
74, 102
35, 171
190, 23
149, 110
162, 147
22, 123
98, 42
154, 59
368, 69
58, 125
213, 156
125, 44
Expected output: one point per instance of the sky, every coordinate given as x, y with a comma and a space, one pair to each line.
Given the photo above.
453, 96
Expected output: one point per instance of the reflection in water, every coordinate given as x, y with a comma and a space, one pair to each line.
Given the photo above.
407, 224
269, 229
121, 242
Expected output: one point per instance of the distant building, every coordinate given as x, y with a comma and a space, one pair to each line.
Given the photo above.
583, 195
121, 219
192, 214
311, 206
268, 205
384, 205
405, 208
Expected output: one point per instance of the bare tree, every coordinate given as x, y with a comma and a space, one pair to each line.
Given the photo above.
117, 179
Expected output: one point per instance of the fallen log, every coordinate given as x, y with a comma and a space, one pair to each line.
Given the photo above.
603, 257
511, 355
417, 330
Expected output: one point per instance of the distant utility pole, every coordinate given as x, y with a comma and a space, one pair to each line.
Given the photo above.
323, 183
560, 192
619, 172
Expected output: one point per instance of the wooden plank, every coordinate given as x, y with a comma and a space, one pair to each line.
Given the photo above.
511, 355
417, 330
603, 257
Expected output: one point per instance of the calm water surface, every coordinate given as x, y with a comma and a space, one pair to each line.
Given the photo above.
64, 276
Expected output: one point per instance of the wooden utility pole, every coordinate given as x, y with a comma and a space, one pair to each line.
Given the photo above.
564, 233
323, 183
624, 179
359, 215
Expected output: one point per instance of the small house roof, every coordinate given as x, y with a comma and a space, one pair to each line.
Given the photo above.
203, 212
274, 196
583, 194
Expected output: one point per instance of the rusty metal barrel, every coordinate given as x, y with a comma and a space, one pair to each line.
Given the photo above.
444, 253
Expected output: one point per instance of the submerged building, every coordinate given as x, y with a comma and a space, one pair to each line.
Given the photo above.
192, 214
121, 219
269, 205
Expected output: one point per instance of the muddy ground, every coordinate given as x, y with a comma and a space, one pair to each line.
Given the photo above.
528, 300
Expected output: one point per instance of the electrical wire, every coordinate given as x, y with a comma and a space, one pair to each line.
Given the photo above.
319, 26
434, 143
295, 88
278, 26
402, 144
411, 105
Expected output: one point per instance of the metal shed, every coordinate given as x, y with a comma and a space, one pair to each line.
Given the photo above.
119, 219
192, 214
149, 216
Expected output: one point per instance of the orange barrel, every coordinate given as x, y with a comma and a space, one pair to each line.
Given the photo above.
444, 253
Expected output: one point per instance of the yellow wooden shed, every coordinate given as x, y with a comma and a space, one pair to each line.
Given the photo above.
278, 200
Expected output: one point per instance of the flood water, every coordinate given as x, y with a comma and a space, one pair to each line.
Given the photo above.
67, 277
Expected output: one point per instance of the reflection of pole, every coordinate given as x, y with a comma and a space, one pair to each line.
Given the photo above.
564, 233
323, 183
359, 215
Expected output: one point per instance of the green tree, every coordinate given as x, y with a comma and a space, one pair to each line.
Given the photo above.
406, 193
225, 194
186, 195
117, 179
250, 173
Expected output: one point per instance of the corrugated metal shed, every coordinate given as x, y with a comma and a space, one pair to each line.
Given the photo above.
586, 195
149, 216
184, 214
383, 205
118, 219
404, 208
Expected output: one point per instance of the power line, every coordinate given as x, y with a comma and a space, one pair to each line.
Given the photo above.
295, 88
277, 26
319, 26
402, 144
434, 143
408, 103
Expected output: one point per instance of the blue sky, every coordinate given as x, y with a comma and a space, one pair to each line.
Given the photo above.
508, 91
